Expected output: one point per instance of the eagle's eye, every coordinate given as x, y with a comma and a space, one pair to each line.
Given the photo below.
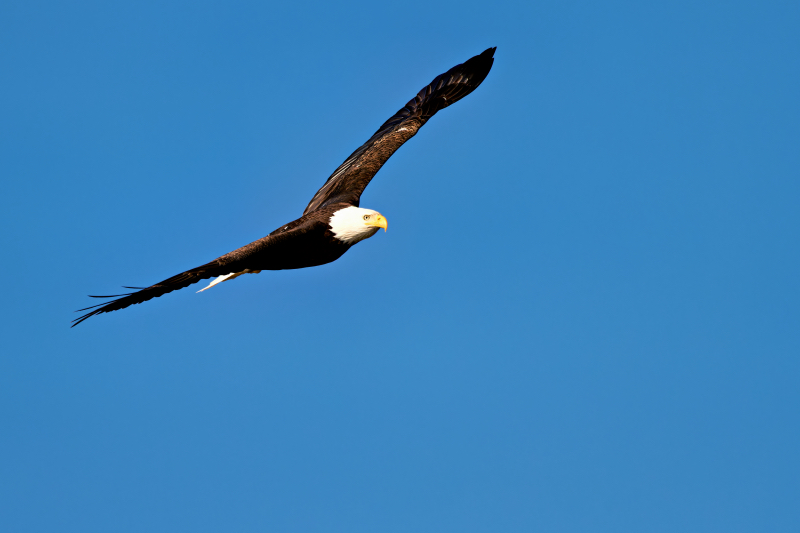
366, 217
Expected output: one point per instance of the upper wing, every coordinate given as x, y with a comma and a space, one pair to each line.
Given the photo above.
349, 180
238, 260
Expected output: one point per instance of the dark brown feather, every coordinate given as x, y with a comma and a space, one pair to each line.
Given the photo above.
351, 178
303, 243
184, 279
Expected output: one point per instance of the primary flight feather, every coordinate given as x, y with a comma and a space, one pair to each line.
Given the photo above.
333, 221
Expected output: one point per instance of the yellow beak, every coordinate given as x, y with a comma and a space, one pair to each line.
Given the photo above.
380, 222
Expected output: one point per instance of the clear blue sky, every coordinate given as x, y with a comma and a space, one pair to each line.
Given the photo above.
584, 315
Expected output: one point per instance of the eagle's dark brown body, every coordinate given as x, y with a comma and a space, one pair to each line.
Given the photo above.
310, 240
305, 242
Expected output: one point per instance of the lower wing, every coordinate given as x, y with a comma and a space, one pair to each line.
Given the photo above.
215, 268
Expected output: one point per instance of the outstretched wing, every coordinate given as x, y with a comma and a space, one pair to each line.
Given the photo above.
349, 180
184, 279
238, 260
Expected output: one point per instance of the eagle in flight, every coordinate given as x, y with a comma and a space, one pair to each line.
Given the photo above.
333, 221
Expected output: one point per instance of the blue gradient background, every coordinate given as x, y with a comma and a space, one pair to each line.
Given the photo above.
584, 315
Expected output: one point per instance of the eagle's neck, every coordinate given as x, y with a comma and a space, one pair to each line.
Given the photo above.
348, 225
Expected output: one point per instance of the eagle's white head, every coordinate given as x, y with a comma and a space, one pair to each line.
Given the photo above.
353, 224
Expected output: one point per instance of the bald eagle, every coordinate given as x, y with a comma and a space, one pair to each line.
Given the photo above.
333, 221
